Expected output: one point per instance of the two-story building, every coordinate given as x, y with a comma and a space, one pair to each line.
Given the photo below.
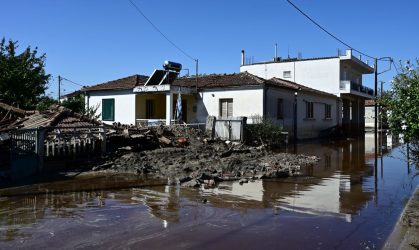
340, 75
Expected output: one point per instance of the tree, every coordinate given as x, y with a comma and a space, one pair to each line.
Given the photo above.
402, 102
22, 76
76, 104
45, 102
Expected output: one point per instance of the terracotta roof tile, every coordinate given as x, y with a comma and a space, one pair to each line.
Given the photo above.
299, 86
220, 80
124, 83
241, 79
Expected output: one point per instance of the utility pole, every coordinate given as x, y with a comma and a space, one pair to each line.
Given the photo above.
59, 89
375, 115
196, 75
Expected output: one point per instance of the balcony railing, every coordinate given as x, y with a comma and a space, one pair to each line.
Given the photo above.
350, 85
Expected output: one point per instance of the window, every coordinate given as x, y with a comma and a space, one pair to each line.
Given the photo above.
280, 109
287, 74
226, 108
108, 109
309, 110
327, 111
149, 109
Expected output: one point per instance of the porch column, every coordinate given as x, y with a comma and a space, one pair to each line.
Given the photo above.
346, 115
355, 118
362, 116
169, 107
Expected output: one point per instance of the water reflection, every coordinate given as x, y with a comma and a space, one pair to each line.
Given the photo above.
334, 187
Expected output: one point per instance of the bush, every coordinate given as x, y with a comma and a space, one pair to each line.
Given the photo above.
264, 131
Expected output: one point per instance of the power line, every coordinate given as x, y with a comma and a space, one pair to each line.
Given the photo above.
161, 33
78, 84
397, 69
330, 34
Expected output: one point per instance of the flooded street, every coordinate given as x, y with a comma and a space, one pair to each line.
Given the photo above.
340, 203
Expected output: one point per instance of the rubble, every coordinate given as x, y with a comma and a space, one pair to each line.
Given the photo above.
206, 162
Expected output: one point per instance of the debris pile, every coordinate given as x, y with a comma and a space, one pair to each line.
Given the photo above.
55, 116
209, 163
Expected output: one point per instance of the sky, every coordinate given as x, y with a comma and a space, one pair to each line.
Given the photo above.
94, 41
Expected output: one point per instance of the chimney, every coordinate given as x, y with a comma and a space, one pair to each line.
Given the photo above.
242, 62
349, 52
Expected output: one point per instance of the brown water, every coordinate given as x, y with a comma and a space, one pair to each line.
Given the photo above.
341, 204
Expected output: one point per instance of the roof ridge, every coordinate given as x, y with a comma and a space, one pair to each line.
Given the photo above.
256, 78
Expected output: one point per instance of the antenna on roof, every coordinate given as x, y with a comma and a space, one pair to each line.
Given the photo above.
288, 52
276, 52
300, 55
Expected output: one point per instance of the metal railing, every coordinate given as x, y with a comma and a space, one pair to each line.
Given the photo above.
350, 85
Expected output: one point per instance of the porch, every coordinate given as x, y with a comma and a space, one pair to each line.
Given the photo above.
157, 105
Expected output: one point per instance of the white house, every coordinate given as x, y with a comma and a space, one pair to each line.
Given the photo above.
296, 108
340, 75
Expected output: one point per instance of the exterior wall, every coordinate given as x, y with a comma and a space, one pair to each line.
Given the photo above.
246, 102
124, 104
312, 127
272, 96
369, 117
159, 105
306, 127
321, 74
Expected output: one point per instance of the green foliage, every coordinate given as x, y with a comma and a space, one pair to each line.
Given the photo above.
45, 102
76, 104
264, 131
402, 102
90, 112
22, 76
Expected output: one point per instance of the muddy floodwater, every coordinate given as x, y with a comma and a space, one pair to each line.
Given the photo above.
341, 203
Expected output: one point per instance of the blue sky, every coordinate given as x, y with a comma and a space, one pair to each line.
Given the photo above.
93, 41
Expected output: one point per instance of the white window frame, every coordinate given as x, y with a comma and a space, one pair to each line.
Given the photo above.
286, 74
229, 107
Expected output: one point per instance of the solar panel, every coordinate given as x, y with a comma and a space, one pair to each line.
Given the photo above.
156, 78
161, 77
169, 77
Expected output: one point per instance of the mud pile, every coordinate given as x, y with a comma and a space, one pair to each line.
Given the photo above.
209, 163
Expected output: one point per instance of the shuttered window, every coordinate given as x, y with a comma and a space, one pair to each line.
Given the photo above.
309, 110
226, 108
108, 109
327, 111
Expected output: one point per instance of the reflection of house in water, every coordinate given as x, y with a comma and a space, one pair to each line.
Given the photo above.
162, 201
21, 211
336, 186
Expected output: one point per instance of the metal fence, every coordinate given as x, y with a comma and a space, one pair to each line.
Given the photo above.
230, 129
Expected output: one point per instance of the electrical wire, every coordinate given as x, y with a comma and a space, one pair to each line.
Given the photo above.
161, 33
397, 69
78, 84
329, 33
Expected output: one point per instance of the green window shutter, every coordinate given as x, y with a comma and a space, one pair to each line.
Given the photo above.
108, 109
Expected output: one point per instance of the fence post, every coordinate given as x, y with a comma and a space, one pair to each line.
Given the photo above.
210, 126
39, 144
242, 128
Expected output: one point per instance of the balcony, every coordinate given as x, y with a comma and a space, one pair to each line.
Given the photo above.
350, 87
